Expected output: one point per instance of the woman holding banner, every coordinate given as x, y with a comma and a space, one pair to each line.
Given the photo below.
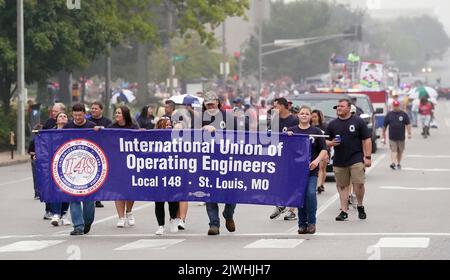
307, 214
59, 210
317, 120
165, 123
122, 120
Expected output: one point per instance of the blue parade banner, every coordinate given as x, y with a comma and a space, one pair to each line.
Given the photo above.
168, 165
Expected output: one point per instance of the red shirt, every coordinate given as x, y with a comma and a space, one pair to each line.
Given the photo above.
425, 109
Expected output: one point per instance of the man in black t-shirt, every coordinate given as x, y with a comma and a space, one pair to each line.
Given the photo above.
352, 153
99, 120
215, 119
281, 120
82, 218
397, 120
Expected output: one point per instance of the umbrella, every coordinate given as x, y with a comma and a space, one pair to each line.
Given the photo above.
414, 93
187, 99
124, 95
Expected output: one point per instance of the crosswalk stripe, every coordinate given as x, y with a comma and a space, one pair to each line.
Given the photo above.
150, 244
275, 244
403, 242
29, 246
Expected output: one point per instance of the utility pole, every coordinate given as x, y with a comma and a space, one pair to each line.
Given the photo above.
169, 46
108, 80
224, 53
22, 91
260, 50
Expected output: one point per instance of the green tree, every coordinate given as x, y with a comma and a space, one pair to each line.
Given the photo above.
59, 39
301, 19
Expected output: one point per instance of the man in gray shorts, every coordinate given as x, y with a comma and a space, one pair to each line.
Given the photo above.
397, 120
352, 154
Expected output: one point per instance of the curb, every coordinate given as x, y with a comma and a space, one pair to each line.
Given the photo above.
14, 162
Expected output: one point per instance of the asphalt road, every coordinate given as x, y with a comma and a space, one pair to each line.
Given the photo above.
408, 218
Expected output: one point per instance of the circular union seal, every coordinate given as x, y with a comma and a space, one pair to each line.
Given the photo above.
79, 167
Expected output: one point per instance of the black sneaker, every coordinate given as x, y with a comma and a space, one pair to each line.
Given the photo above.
98, 204
342, 216
87, 228
399, 167
361, 213
320, 189
392, 166
76, 232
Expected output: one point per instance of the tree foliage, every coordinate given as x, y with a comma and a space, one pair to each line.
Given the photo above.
57, 38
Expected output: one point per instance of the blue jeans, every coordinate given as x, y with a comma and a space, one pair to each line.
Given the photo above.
59, 208
82, 216
213, 213
307, 214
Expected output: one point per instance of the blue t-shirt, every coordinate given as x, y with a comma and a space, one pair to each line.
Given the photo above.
318, 143
397, 121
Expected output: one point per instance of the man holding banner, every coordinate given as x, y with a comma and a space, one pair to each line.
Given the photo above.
82, 218
216, 119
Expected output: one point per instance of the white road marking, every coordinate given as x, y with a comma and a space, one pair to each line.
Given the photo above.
17, 181
275, 244
155, 244
18, 236
28, 246
426, 170
398, 242
416, 188
228, 235
427, 156
335, 197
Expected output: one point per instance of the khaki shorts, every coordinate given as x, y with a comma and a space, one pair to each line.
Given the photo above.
356, 173
397, 146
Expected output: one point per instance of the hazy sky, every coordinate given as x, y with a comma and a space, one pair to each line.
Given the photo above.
441, 7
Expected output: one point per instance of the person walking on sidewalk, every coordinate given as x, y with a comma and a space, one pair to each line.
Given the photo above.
353, 149
397, 121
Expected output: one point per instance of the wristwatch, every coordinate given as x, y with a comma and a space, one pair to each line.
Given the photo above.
368, 157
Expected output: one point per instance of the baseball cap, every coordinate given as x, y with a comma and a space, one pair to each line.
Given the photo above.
237, 100
210, 97
396, 103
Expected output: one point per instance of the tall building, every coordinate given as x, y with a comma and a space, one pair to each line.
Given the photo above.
238, 30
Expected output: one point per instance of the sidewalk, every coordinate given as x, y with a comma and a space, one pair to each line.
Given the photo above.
5, 159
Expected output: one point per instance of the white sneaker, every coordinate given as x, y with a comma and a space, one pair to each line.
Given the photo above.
65, 220
160, 230
55, 220
173, 225
181, 224
121, 223
130, 219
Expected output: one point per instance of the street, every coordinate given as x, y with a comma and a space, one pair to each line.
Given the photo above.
407, 218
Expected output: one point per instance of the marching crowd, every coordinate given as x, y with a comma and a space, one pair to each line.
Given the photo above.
347, 135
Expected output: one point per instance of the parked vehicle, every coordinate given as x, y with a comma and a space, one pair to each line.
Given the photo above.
368, 115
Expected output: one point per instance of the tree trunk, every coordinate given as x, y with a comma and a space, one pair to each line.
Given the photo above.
65, 88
